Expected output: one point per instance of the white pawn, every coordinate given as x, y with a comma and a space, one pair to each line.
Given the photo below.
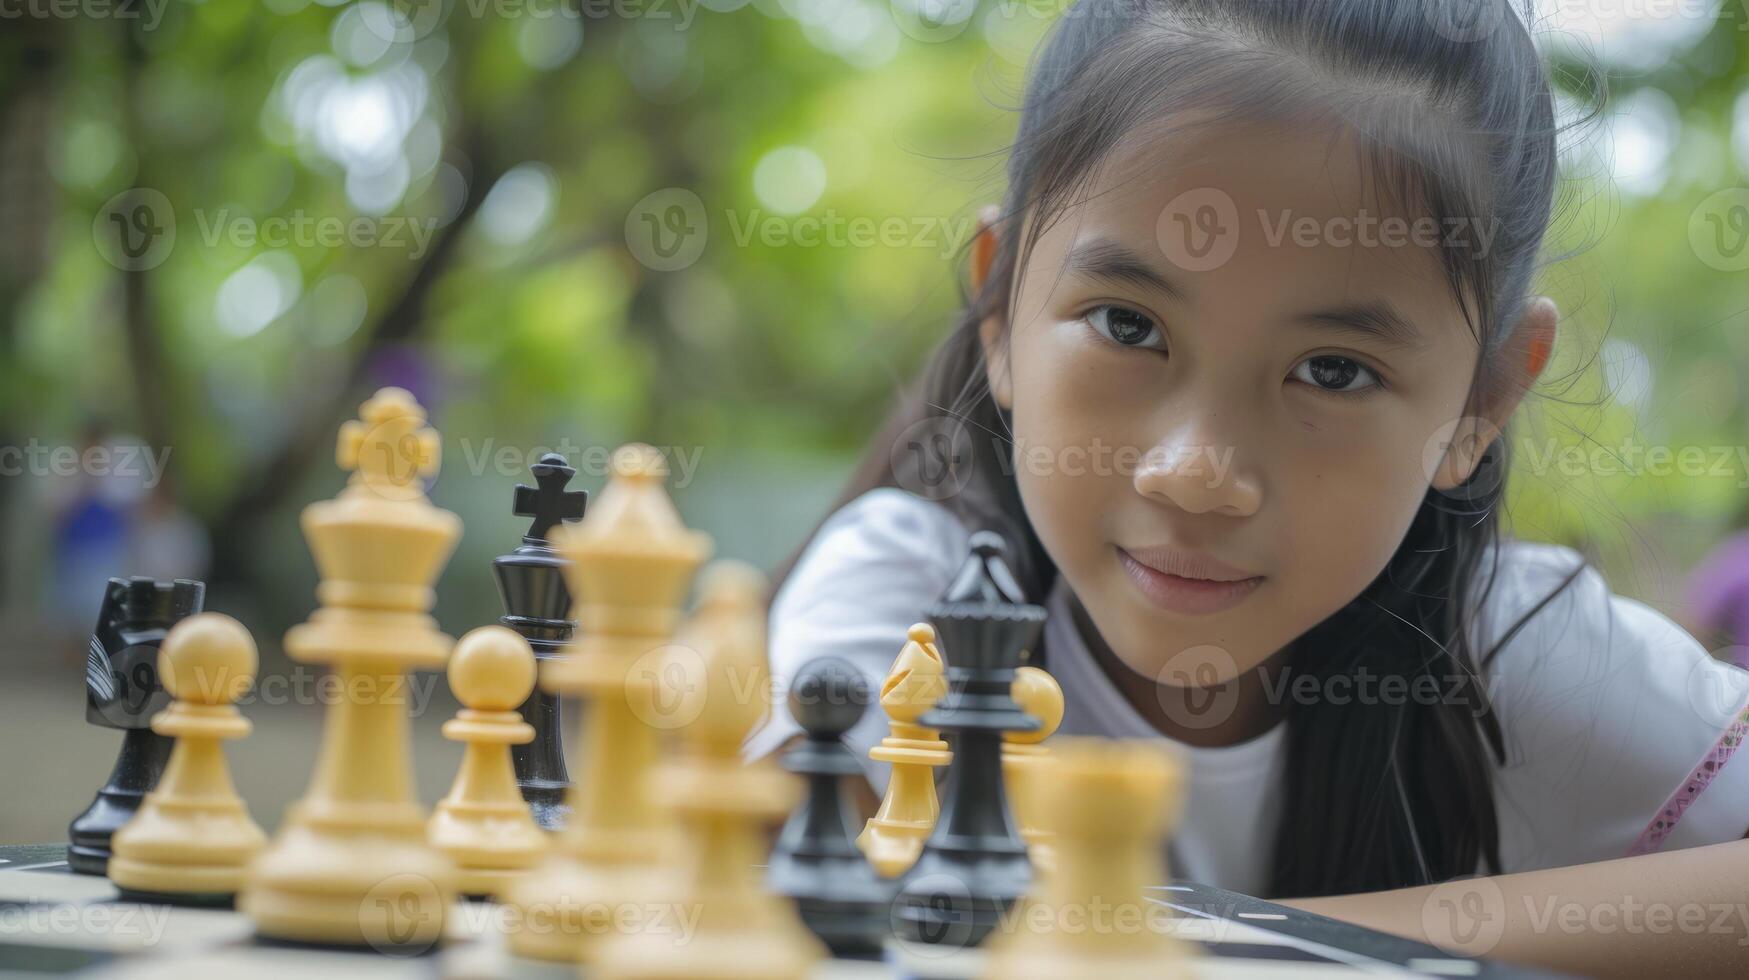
1025, 760
484, 825
193, 836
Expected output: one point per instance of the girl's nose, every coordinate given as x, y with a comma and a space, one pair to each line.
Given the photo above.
1198, 479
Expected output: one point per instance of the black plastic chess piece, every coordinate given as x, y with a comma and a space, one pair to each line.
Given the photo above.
974, 865
122, 691
537, 603
815, 860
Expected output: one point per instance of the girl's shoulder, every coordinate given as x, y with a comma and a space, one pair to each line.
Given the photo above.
1617, 722
868, 573
887, 527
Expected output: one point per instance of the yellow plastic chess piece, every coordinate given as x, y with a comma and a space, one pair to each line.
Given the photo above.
351, 865
193, 836
741, 931
894, 836
484, 825
1025, 760
1108, 804
631, 563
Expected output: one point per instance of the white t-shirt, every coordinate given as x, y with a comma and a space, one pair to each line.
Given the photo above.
1618, 724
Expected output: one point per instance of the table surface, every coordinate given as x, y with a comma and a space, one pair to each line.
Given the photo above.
1339, 941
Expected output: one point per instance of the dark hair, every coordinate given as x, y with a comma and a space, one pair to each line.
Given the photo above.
1455, 115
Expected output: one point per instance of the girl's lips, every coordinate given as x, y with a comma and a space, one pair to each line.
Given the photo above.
1189, 596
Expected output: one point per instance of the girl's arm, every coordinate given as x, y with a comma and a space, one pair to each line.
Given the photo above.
1680, 913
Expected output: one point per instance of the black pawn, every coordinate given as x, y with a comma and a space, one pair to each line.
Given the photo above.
974, 865
537, 603
815, 860
122, 691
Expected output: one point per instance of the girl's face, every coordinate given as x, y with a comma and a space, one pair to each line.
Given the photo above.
1233, 376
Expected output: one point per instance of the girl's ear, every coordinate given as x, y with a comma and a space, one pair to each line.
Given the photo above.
1523, 361
990, 330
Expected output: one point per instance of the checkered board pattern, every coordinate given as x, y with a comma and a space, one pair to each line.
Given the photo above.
54, 923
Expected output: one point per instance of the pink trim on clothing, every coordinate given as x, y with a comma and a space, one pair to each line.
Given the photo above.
1656, 832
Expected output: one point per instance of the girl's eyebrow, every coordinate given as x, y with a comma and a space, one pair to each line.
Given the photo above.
1376, 320
1112, 262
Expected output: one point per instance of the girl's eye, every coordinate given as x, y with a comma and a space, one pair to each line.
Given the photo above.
1336, 375
1126, 327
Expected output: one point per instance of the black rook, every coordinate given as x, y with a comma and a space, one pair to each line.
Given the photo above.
122, 691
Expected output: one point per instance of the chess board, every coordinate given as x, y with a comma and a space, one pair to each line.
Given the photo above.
54, 923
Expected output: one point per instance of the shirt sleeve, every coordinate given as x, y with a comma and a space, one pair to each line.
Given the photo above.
871, 571
1620, 728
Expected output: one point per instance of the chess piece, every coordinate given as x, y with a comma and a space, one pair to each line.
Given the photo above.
894, 836
193, 836
351, 865
974, 865
1025, 760
741, 931
484, 825
122, 691
631, 563
537, 604
1107, 806
815, 861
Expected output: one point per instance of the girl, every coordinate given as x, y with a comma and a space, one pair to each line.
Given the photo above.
1234, 381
